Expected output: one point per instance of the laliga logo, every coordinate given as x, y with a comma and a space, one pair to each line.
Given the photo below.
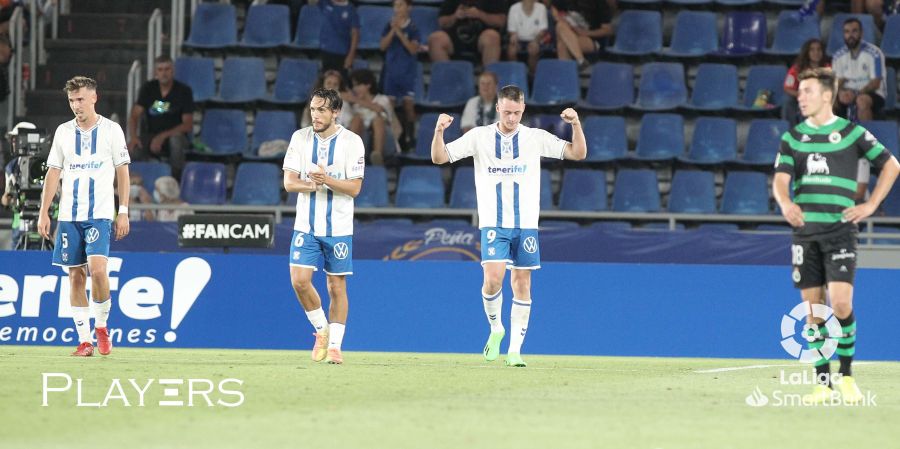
810, 332
341, 250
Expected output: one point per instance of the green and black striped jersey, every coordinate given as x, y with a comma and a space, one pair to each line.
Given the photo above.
823, 163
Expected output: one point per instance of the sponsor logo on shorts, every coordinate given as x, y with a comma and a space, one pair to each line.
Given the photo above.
843, 255
530, 245
341, 250
92, 235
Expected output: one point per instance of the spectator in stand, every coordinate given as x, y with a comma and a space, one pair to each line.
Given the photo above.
139, 195
400, 42
879, 9
859, 67
811, 56
469, 26
481, 109
373, 115
527, 28
166, 191
339, 36
582, 27
332, 79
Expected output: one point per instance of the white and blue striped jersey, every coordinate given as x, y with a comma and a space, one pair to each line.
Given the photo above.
858, 71
325, 213
88, 160
507, 172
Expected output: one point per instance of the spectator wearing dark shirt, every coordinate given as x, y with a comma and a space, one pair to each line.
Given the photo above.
339, 36
469, 25
400, 44
582, 27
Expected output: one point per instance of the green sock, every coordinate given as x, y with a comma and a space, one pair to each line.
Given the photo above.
823, 366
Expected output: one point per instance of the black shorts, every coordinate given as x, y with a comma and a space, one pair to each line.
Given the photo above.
818, 262
877, 106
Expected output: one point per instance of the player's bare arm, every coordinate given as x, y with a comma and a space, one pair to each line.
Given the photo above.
438, 147
346, 186
51, 184
123, 184
790, 210
293, 183
577, 150
885, 182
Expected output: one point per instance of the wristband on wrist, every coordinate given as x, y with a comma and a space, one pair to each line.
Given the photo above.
123, 210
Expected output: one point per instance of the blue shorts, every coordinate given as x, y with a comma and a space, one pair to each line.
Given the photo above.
76, 240
519, 248
306, 249
400, 85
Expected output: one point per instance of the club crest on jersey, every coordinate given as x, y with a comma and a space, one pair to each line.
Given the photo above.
834, 137
817, 164
870, 137
506, 147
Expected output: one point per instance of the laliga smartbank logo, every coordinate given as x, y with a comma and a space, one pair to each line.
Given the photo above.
809, 332
139, 298
59, 389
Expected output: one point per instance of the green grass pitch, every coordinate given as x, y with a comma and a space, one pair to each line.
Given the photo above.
397, 400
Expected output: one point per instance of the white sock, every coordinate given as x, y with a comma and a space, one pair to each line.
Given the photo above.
518, 323
82, 318
335, 335
493, 305
318, 320
101, 312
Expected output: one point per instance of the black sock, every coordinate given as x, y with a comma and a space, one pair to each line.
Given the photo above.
847, 344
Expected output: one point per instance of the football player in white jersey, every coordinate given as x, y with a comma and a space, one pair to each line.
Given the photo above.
324, 164
508, 187
86, 154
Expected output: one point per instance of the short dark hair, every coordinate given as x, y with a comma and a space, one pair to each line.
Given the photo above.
491, 75
80, 81
851, 20
332, 98
162, 59
826, 79
511, 92
364, 76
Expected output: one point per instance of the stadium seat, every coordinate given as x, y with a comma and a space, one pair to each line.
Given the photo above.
611, 87
420, 187
744, 34
462, 192
662, 87
213, 26
374, 192
452, 84
511, 72
890, 102
661, 137
555, 83
546, 190
372, 20
149, 171
693, 192
764, 77
836, 37
890, 41
745, 193
294, 81
203, 183
715, 88
272, 125
198, 73
267, 26
309, 26
425, 133
891, 204
695, 35
763, 141
714, 141
257, 183
636, 190
583, 189
791, 33
426, 20
243, 80
606, 137
638, 33
554, 124
224, 131
886, 132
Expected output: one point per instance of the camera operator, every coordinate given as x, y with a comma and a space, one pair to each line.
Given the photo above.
24, 179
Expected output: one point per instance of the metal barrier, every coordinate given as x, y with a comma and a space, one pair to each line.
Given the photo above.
154, 40
176, 25
16, 105
134, 85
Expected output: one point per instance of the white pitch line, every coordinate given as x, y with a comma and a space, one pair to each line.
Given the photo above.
741, 368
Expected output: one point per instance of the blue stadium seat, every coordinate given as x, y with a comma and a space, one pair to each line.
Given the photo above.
199, 74
583, 189
257, 183
267, 26
309, 26
420, 187
243, 80
546, 190
420, 83
203, 183
764, 77
452, 84
715, 88
890, 41
886, 131
693, 192
272, 125
611, 87
372, 20
462, 192
606, 138
661, 137
745, 193
638, 33
791, 33
426, 20
294, 81
662, 87
744, 34
890, 102
149, 171
836, 37
714, 141
374, 192
224, 131
426, 132
213, 26
763, 140
553, 124
636, 191
891, 204
511, 72
555, 83
695, 35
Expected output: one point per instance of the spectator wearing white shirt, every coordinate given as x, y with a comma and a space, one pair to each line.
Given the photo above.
481, 109
859, 67
527, 28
